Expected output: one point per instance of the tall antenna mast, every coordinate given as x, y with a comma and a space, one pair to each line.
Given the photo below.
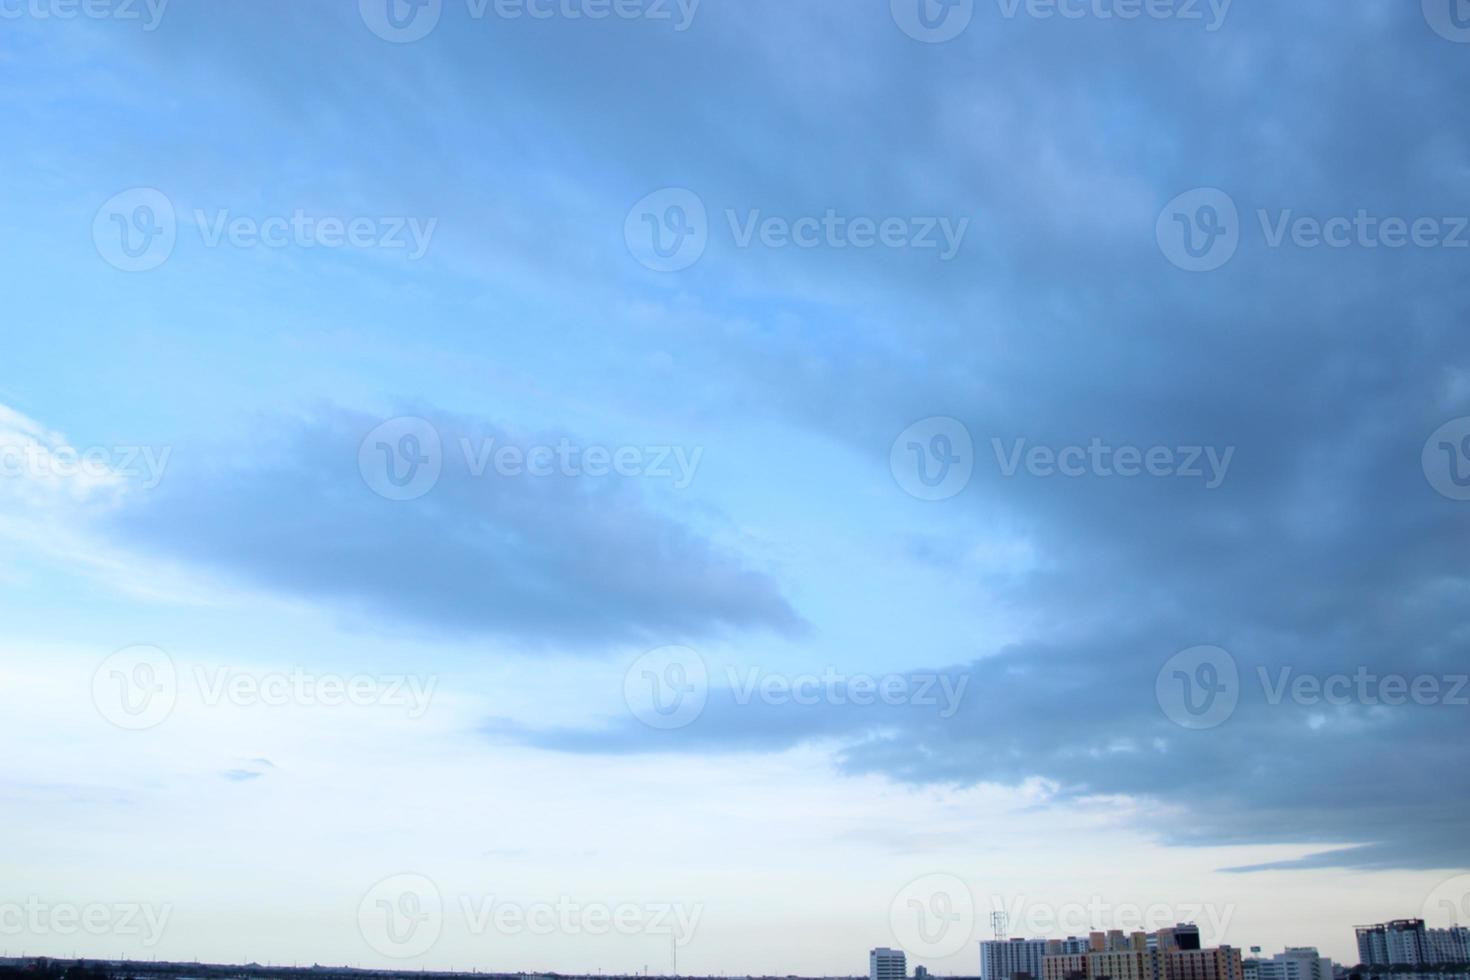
999, 925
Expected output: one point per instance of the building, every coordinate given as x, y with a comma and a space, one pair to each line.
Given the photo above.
1448, 946
1185, 935
1297, 963
1063, 966
1005, 959
1218, 963
1169, 954
1402, 942
887, 964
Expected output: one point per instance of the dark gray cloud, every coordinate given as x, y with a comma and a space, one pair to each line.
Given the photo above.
1326, 370
562, 558
1088, 720
1061, 321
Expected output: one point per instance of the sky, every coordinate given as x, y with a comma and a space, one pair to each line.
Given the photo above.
651, 484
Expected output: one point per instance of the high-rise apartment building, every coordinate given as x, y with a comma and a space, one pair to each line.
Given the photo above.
887, 964
1003, 959
1448, 945
1218, 963
1402, 942
1297, 963
1169, 954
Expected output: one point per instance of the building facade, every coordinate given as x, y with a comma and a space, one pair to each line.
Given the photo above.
1169, 954
1297, 963
1446, 946
887, 964
1003, 959
1402, 942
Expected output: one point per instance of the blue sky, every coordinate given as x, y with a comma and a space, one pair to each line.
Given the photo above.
956, 245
